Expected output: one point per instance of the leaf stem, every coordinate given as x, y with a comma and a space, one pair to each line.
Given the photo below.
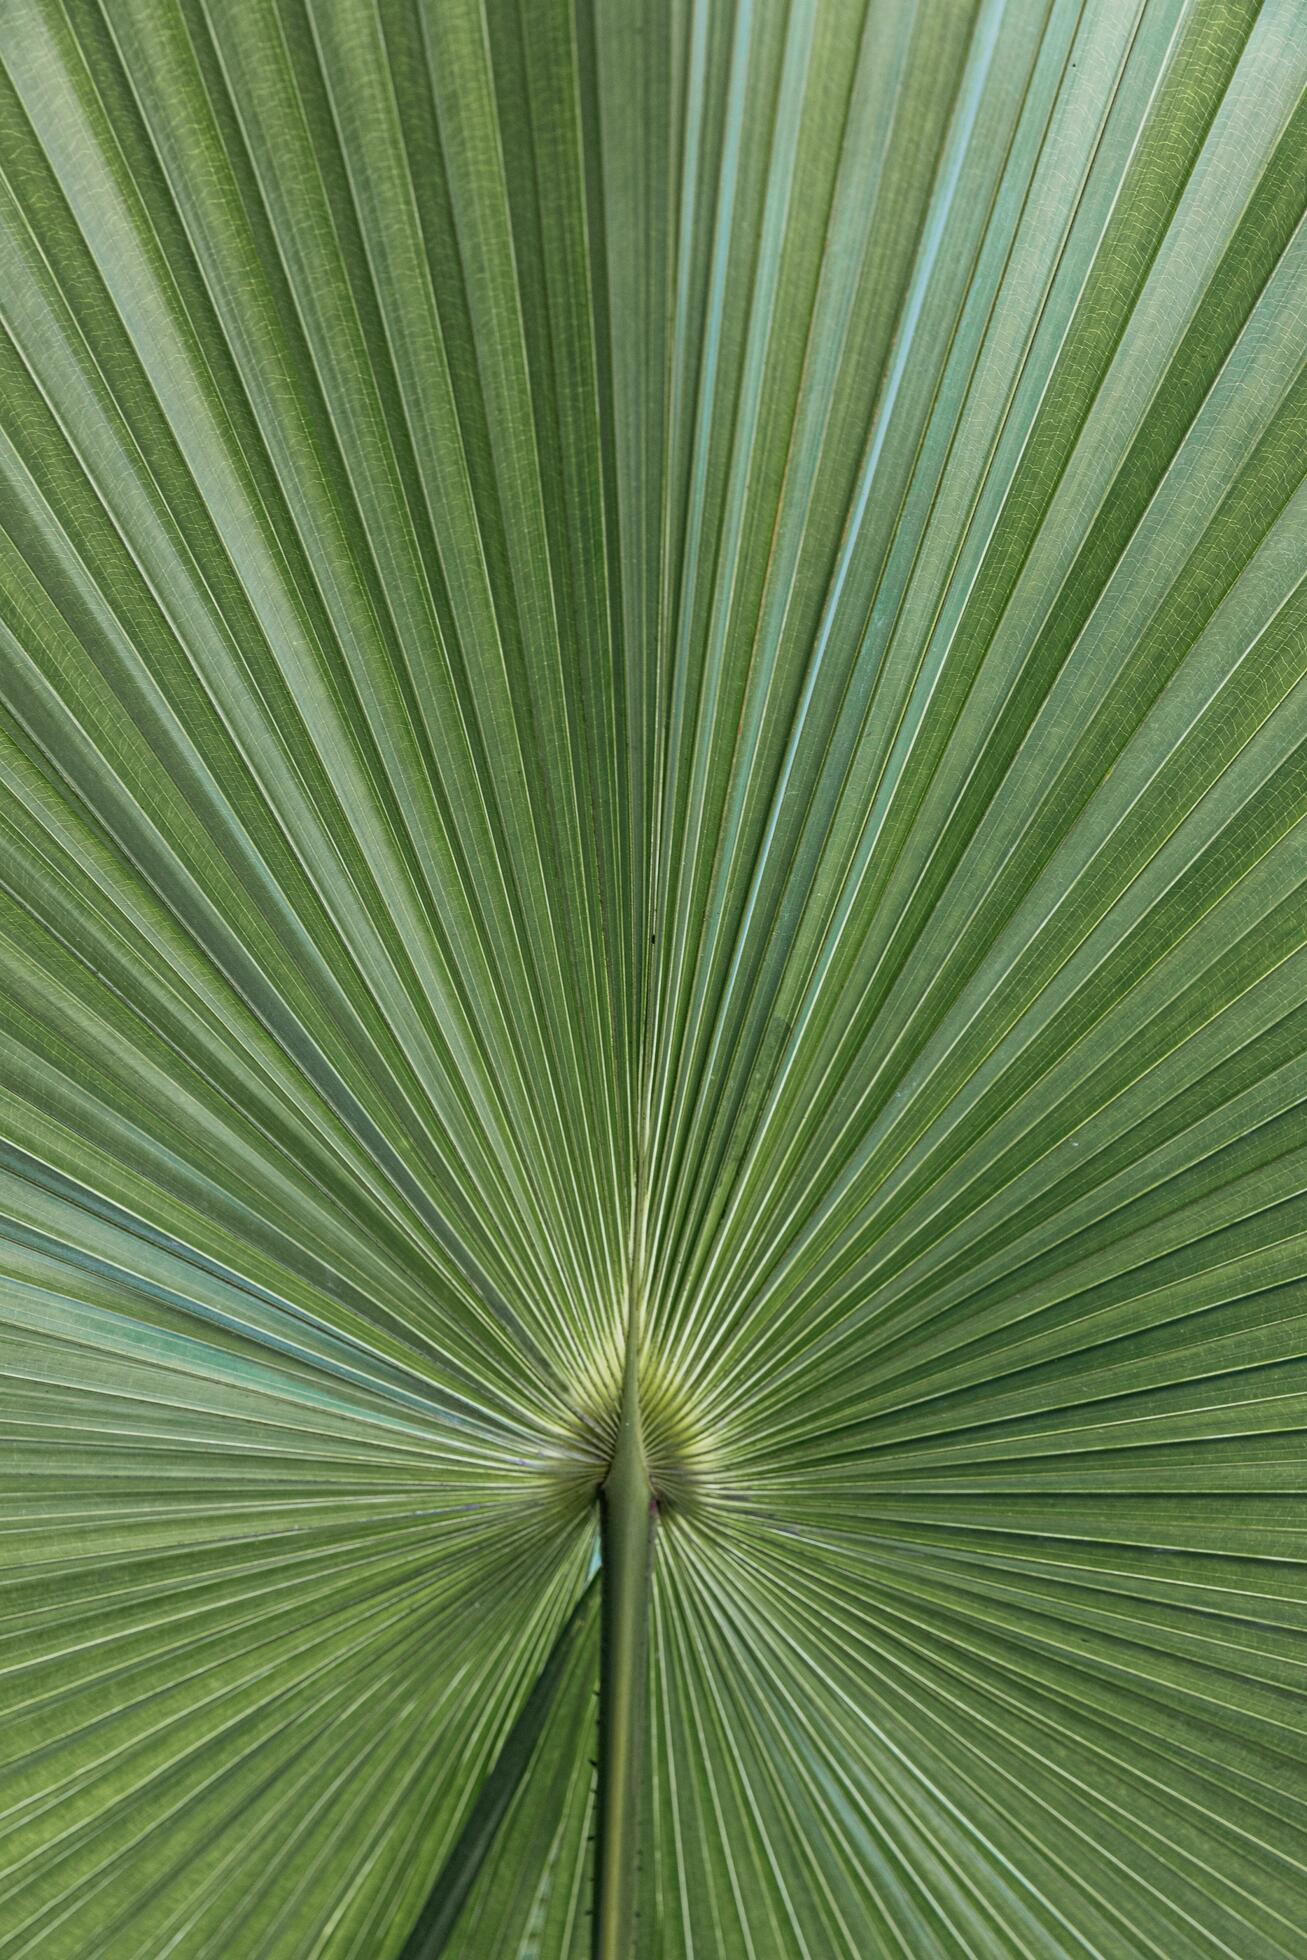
627, 1509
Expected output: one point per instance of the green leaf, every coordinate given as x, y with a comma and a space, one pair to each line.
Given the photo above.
653, 808
546, 1794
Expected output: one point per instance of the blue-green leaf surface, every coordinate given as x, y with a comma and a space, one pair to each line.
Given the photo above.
654, 640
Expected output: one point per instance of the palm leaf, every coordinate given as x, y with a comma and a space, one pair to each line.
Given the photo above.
654, 752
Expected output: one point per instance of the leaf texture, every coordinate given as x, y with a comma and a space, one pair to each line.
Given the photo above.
668, 633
